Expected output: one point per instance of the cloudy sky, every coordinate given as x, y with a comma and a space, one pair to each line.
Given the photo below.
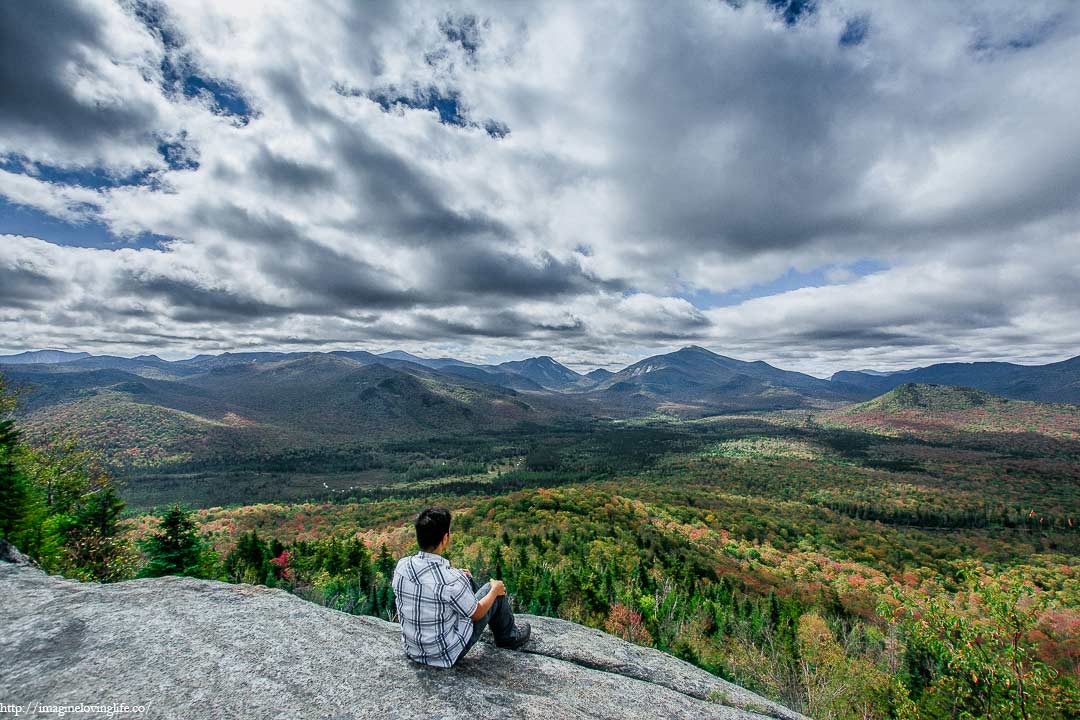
822, 185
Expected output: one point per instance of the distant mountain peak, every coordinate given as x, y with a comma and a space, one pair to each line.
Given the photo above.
697, 380
435, 363
696, 351
544, 370
42, 356
399, 355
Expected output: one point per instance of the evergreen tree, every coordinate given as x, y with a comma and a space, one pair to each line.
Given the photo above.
93, 542
23, 517
177, 548
386, 563
335, 557
495, 563
100, 513
16, 494
358, 559
249, 561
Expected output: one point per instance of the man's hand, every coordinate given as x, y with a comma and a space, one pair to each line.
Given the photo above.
467, 573
483, 605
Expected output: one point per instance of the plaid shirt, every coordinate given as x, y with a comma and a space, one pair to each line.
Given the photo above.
435, 604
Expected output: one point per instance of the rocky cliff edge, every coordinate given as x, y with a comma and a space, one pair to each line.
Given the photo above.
191, 648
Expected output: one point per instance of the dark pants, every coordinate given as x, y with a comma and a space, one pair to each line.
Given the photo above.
499, 617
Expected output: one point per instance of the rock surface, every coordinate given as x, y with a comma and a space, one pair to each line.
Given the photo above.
202, 649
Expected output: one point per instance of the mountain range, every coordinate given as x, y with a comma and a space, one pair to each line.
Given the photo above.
219, 403
684, 381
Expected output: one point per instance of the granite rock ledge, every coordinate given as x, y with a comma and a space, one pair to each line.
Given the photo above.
203, 649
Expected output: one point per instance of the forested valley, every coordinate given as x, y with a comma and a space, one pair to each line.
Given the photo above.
913, 556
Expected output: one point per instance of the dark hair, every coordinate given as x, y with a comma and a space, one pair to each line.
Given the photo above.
431, 525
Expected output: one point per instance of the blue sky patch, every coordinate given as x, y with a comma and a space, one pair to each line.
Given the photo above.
94, 178
177, 154
855, 31
792, 11
225, 99
181, 76
22, 220
447, 105
423, 99
791, 280
464, 31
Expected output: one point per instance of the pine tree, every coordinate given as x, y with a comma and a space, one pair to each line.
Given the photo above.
93, 544
250, 560
16, 493
24, 520
386, 563
495, 563
177, 549
100, 512
335, 557
358, 558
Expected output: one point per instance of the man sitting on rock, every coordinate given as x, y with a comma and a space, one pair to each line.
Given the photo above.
442, 610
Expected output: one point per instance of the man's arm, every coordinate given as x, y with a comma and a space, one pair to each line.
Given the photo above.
484, 604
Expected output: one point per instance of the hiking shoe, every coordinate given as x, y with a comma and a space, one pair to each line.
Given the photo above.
521, 636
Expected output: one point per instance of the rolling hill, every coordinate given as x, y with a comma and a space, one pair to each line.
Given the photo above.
339, 397
965, 416
251, 406
928, 399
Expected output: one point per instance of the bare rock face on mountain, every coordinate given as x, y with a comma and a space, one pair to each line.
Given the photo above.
201, 649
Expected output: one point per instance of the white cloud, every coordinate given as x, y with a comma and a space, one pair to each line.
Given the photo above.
688, 148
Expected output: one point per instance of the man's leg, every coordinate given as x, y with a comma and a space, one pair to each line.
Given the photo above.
501, 620
478, 625
500, 617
